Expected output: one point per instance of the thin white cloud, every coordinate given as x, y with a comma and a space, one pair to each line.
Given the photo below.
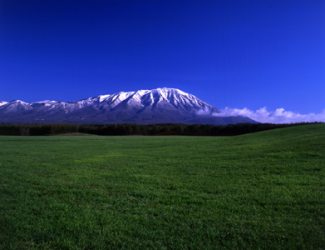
279, 115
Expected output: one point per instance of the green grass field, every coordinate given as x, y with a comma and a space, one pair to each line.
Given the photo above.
256, 191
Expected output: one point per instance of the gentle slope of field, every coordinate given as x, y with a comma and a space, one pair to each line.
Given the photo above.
262, 190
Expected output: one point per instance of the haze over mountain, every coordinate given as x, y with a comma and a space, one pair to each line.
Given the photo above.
161, 105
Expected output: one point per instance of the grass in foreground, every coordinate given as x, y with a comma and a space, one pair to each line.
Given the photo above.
262, 190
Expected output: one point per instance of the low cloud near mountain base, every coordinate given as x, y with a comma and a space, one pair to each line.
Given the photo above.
279, 115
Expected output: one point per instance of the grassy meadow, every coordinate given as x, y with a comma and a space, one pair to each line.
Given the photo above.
263, 190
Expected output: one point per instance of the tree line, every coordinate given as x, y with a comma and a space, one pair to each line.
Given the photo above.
136, 129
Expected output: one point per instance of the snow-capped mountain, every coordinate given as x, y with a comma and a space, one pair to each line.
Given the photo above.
161, 105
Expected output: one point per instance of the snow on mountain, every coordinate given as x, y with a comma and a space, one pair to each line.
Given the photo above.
156, 98
115, 99
161, 105
15, 106
102, 98
3, 103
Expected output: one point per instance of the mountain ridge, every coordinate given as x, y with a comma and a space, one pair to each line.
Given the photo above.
160, 105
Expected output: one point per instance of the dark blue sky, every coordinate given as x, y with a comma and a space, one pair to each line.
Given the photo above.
228, 53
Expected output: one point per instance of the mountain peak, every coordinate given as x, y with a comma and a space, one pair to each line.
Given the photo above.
18, 102
159, 98
46, 101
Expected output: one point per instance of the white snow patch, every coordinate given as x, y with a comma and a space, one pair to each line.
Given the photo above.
103, 97
3, 103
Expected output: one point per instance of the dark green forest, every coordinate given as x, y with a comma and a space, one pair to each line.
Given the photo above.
135, 129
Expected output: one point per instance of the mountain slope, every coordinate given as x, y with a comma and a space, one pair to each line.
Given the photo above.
161, 105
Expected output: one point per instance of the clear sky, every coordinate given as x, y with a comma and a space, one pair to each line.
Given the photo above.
238, 53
